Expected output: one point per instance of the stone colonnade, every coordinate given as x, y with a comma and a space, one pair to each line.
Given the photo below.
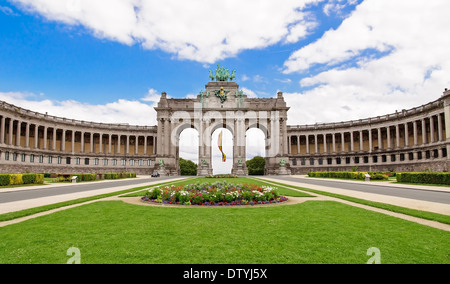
415, 139
42, 140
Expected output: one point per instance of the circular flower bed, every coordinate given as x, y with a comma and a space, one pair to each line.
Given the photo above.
215, 194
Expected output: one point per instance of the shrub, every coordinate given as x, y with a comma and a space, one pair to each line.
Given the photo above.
4, 179
29, 178
88, 177
15, 179
349, 175
39, 179
424, 177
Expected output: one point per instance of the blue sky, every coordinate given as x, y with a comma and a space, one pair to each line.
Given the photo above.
64, 62
335, 60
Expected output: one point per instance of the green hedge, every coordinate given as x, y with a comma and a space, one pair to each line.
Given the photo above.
349, 175
19, 179
428, 178
4, 179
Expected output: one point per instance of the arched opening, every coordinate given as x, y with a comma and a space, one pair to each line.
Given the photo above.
255, 147
188, 149
218, 164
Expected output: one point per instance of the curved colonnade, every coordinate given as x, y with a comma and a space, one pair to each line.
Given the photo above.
410, 140
34, 142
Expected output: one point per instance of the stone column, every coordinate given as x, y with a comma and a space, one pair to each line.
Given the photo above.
73, 142
298, 144
440, 133
380, 139
36, 136
18, 130
397, 135
100, 143
127, 151
27, 135
118, 143
289, 137
343, 142
370, 141
45, 137
316, 144
361, 141
325, 148
11, 132
388, 133
406, 135
82, 142
63, 141
154, 144
415, 133
333, 135
166, 137
352, 144
431, 129
2, 130
145, 144
109, 143
424, 132
307, 144
91, 142
54, 139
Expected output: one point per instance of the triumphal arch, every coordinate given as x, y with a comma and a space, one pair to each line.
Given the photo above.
222, 105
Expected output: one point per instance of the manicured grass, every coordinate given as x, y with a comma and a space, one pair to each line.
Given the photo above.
32, 211
445, 219
311, 232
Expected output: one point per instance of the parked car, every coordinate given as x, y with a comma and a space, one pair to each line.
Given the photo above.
155, 174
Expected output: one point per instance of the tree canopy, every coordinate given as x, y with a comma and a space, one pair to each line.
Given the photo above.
187, 168
256, 166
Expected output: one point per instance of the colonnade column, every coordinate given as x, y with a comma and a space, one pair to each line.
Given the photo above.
10, 137
424, 132
36, 136
73, 142
18, 129
27, 135
54, 139
352, 146
2, 130
388, 129
63, 141
109, 143
431, 130
307, 144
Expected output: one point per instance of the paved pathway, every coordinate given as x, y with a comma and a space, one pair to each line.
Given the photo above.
21, 198
427, 198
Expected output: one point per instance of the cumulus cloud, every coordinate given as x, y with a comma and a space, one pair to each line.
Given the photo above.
386, 56
199, 30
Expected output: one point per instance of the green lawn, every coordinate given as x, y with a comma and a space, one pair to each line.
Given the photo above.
310, 232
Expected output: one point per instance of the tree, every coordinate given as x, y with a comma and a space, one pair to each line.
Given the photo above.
187, 168
256, 166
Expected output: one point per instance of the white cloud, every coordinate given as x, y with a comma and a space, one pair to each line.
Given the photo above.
249, 93
200, 30
386, 56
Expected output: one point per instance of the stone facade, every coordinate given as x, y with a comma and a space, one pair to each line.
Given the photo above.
410, 140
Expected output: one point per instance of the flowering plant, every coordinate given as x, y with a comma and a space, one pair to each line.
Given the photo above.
218, 193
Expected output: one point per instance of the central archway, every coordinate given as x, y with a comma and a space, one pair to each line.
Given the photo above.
219, 166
